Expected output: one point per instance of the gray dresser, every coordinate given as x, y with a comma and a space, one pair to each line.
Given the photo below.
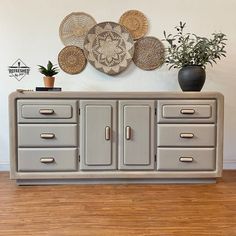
115, 137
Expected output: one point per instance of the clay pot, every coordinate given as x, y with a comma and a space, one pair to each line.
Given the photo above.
49, 81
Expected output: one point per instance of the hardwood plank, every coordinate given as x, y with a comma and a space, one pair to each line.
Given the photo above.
166, 210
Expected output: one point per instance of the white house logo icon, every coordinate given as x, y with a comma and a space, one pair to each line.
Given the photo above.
18, 70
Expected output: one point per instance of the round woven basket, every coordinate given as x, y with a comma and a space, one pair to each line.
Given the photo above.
74, 28
149, 53
109, 47
135, 22
71, 60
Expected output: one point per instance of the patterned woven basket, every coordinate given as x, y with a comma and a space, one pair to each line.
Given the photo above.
74, 28
149, 53
109, 47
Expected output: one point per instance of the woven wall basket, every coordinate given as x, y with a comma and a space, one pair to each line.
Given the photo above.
136, 23
109, 47
149, 53
74, 28
71, 60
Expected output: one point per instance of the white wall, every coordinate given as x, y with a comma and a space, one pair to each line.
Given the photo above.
29, 30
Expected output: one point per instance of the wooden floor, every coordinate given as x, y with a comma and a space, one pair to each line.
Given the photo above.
165, 210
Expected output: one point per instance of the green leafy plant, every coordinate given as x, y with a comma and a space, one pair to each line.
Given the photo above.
50, 71
186, 49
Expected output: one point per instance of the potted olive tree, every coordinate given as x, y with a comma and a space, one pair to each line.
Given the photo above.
191, 53
49, 73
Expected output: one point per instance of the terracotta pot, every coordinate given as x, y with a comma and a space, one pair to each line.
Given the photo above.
191, 78
49, 81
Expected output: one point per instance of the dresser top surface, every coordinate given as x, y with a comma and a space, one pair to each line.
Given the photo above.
116, 95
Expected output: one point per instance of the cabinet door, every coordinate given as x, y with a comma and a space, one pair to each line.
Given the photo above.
98, 135
136, 150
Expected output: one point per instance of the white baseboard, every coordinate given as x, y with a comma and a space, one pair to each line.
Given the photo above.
4, 166
228, 165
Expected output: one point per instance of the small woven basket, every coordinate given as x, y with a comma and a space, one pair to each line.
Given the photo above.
71, 60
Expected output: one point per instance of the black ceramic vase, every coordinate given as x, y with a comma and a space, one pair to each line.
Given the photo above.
191, 78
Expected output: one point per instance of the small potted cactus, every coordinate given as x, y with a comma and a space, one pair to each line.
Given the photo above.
49, 73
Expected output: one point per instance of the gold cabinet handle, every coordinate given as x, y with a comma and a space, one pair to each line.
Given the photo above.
186, 159
46, 111
47, 135
128, 132
186, 135
187, 111
107, 133
47, 160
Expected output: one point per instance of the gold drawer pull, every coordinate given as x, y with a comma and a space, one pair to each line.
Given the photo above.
47, 135
47, 160
186, 135
46, 111
187, 111
186, 159
107, 133
128, 132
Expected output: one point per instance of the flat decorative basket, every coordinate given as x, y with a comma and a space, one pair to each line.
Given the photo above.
71, 60
135, 22
109, 47
74, 27
149, 53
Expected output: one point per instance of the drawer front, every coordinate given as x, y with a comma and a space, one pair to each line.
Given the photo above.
186, 135
186, 159
47, 159
45, 111
47, 135
184, 111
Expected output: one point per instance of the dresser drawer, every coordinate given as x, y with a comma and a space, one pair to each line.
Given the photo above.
186, 159
45, 111
186, 111
47, 135
186, 135
47, 159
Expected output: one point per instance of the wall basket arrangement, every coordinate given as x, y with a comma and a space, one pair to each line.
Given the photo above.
108, 46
